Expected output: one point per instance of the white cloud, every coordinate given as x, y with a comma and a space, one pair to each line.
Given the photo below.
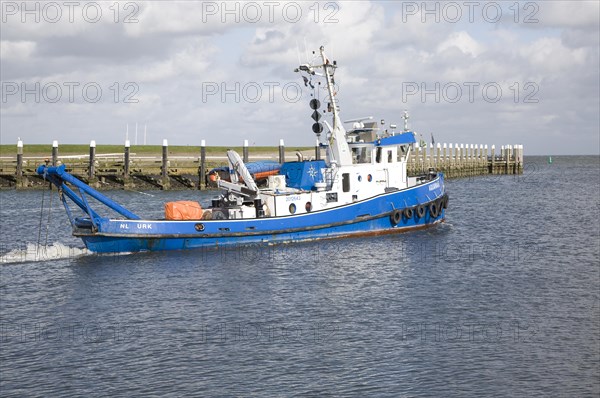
178, 17
549, 55
461, 41
193, 60
565, 14
19, 50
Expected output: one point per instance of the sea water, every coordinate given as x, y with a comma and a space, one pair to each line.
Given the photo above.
500, 300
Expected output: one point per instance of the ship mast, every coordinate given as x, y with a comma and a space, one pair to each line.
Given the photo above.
340, 151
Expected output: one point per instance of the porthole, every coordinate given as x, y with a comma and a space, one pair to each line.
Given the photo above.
359, 178
308, 206
292, 208
369, 178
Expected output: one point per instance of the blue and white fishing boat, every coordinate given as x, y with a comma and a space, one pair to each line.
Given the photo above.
361, 188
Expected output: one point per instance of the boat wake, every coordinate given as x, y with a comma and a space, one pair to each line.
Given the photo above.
35, 253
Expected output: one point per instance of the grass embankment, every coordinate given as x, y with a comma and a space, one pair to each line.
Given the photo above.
156, 150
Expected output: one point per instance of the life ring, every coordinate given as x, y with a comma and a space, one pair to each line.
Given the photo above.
434, 209
420, 211
396, 217
408, 213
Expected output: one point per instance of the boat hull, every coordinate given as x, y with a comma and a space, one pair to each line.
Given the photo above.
382, 214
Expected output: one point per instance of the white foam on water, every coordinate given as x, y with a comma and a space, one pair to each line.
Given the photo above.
35, 253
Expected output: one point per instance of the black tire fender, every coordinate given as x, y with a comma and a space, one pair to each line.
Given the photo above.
396, 217
420, 211
434, 209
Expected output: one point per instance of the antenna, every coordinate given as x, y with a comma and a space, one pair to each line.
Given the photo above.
405, 117
127, 133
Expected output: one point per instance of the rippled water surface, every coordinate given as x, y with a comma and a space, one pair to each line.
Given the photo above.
501, 300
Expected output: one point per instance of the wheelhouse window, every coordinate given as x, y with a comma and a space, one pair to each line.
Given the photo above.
361, 155
402, 151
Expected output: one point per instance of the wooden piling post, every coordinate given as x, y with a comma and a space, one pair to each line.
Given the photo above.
472, 161
202, 170
127, 182
245, 152
482, 159
91, 165
449, 162
126, 157
455, 160
165, 165
54, 152
462, 160
19, 175
431, 157
281, 151
466, 161
473, 158
444, 158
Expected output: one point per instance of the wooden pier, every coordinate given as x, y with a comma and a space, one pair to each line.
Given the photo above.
462, 160
186, 167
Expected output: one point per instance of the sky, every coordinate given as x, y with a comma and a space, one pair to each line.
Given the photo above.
495, 73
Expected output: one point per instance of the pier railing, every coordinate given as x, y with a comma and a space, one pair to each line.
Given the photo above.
167, 170
466, 160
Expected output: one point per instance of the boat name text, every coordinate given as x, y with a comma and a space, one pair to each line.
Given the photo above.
434, 186
138, 225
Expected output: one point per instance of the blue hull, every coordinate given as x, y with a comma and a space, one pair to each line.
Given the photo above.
378, 215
